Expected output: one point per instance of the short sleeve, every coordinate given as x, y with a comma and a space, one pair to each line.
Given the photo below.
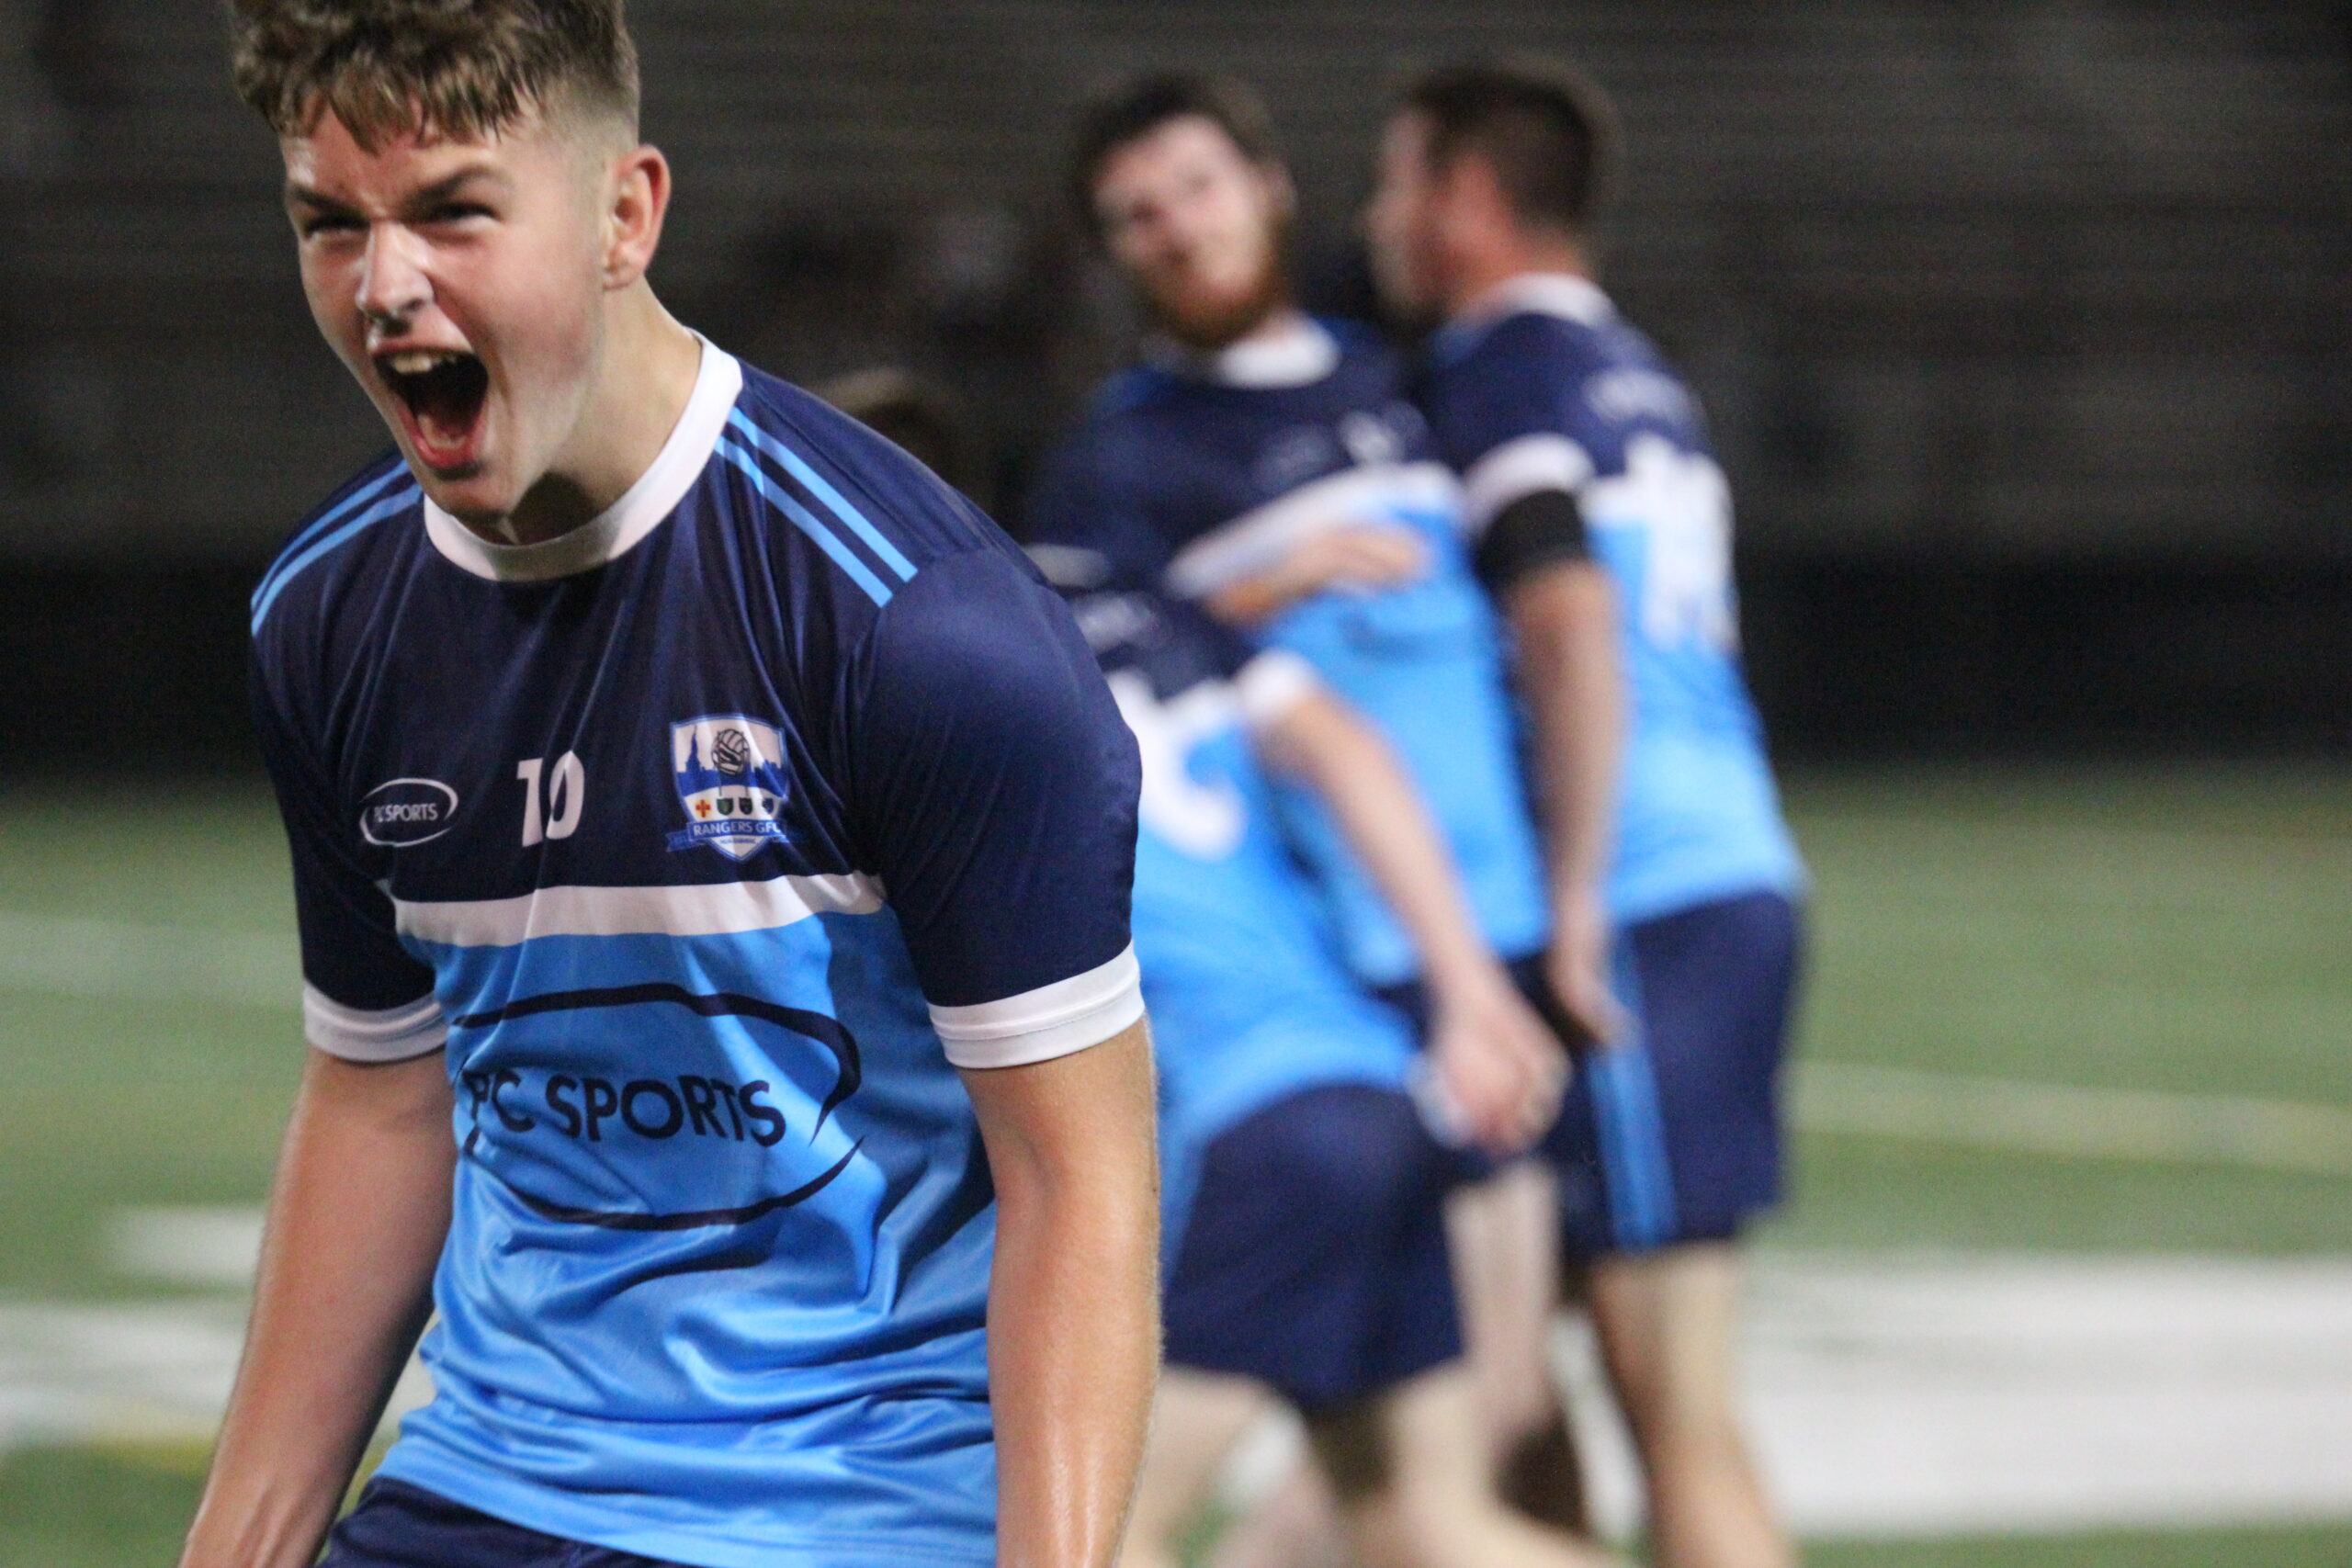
994, 787
1515, 420
365, 998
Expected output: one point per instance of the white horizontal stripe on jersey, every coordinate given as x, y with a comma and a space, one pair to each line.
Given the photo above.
1052, 1020
363, 1034
718, 908
1517, 468
1263, 536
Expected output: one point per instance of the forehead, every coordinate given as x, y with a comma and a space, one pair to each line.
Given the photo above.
330, 161
1185, 144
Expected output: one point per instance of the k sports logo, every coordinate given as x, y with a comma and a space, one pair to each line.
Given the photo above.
731, 781
400, 812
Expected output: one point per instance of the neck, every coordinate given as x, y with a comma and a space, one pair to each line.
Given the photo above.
645, 375
1479, 274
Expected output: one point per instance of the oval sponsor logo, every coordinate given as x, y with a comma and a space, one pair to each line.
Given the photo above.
407, 811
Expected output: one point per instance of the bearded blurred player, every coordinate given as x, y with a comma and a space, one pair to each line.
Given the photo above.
712, 848
1579, 448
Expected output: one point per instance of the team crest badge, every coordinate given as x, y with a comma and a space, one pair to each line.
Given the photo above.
732, 782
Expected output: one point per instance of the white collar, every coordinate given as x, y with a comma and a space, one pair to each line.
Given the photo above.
1292, 350
1561, 294
622, 526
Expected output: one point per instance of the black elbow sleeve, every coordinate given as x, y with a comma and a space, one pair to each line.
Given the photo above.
1537, 530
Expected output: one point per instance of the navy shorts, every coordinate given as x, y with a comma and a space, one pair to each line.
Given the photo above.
400, 1526
1314, 1257
1673, 1135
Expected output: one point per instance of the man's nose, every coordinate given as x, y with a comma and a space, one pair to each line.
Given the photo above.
393, 285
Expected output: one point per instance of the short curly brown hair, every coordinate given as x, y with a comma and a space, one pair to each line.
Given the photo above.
459, 68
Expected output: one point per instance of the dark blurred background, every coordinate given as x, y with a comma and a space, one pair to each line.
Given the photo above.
2026, 328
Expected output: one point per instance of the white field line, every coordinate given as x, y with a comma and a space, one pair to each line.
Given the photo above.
2070, 1122
1957, 1395
72, 956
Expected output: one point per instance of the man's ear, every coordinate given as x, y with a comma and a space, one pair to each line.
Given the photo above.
1468, 200
636, 199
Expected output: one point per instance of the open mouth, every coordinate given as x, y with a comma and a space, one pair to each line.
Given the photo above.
444, 392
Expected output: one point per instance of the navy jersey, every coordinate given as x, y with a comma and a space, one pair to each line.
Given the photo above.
1249, 1004
705, 838
1545, 386
1196, 475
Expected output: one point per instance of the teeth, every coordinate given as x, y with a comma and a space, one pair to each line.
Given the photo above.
416, 362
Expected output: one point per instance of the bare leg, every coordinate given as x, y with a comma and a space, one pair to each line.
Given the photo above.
1416, 1486
1295, 1526
1196, 1418
1669, 1326
1505, 1240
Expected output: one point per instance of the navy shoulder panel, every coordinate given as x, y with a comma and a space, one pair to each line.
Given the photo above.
383, 488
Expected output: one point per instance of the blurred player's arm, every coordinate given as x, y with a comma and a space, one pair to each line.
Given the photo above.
1358, 555
1502, 1067
1073, 1300
357, 1220
1536, 557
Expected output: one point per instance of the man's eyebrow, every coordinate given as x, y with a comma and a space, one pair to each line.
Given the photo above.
439, 191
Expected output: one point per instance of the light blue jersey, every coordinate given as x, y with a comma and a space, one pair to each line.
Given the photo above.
1545, 386
1196, 475
706, 842
1248, 1003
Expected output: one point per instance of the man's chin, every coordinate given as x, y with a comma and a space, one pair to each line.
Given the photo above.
471, 493
1208, 324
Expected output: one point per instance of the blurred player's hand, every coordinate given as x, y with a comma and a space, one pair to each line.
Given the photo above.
1499, 1070
1355, 558
1577, 967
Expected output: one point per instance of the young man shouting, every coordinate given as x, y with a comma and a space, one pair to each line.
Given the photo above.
684, 789
1587, 466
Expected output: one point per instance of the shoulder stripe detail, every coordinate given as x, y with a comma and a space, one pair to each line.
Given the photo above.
816, 485
806, 522
328, 519
1057, 1020
399, 501
373, 1035
1517, 468
718, 908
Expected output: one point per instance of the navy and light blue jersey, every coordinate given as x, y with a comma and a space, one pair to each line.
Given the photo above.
1545, 386
705, 838
1249, 1004
1201, 475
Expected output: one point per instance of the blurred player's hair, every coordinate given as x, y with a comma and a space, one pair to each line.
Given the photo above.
1135, 109
1547, 130
456, 68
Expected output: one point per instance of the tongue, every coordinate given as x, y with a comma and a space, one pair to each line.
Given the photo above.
446, 403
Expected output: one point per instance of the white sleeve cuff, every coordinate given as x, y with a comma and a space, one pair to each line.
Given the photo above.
361, 1035
1271, 684
1517, 469
1052, 1020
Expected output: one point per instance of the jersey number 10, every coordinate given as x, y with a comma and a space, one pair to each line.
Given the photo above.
567, 793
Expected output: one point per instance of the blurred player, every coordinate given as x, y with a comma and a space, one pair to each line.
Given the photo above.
1268, 466
1578, 444
1304, 1194
685, 788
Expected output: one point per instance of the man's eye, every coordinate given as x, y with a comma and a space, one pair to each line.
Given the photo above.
319, 226
457, 212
